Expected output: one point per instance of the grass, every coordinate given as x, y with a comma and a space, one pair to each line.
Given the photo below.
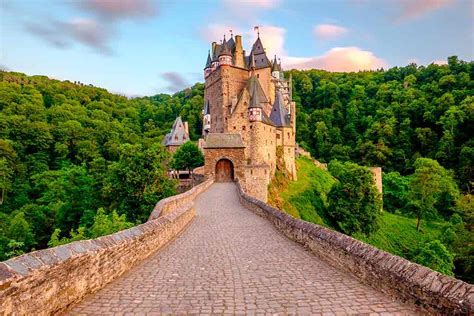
306, 199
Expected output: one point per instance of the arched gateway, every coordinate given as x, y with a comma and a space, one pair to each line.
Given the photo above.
224, 171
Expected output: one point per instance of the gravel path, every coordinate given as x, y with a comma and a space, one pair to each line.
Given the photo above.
231, 261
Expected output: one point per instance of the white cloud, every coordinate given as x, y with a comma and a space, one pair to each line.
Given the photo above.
341, 59
329, 31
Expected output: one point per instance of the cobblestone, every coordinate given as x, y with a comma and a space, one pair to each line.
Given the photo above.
230, 261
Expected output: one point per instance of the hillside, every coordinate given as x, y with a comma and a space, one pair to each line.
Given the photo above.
390, 118
77, 161
397, 234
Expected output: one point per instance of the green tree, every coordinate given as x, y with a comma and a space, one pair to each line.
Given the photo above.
6, 174
187, 157
434, 255
105, 224
354, 202
427, 183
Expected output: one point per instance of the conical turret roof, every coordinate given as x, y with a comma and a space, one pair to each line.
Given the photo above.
257, 96
225, 50
209, 61
276, 66
279, 116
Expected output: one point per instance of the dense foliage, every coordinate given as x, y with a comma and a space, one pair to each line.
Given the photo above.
187, 157
354, 203
67, 150
390, 118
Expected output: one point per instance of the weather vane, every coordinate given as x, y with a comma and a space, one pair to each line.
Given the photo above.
231, 35
257, 28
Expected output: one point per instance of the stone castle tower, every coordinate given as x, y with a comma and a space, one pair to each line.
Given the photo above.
248, 116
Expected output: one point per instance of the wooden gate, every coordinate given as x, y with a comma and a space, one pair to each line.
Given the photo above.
224, 171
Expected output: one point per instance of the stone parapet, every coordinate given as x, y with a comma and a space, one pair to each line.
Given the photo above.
48, 281
174, 202
408, 281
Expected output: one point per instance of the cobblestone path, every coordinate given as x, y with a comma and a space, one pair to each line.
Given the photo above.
231, 261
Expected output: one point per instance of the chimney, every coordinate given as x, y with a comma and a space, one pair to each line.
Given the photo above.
186, 128
213, 49
239, 52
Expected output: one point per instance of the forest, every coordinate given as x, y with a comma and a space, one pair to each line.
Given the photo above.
78, 162
416, 122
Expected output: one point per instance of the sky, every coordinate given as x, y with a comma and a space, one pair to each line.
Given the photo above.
146, 47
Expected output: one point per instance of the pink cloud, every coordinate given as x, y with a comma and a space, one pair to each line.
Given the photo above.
412, 9
339, 59
121, 8
329, 31
273, 39
259, 4
440, 62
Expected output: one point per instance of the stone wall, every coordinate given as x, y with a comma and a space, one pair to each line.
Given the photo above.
174, 202
48, 281
408, 281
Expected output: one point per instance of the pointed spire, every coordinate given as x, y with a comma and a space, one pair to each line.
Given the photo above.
276, 66
209, 61
279, 114
252, 61
257, 96
225, 50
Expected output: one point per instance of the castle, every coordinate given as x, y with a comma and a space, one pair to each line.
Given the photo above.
249, 119
179, 135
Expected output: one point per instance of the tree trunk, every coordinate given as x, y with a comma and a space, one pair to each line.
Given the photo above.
418, 223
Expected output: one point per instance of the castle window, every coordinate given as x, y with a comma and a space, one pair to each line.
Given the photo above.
243, 127
278, 136
251, 171
265, 171
235, 127
243, 115
250, 126
249, 161
288, 135
258, 75
176, 137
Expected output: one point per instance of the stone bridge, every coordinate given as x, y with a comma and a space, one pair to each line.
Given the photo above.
237, 256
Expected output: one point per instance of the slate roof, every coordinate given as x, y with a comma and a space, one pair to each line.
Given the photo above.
261, 59
225, 50
209, 61
276, 66
231, 44
178, 134
257, 96
279, 116
224, 140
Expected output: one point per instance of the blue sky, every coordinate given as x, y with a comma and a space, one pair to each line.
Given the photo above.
144, 47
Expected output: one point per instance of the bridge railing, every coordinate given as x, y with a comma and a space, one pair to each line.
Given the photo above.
408, 281
48, 281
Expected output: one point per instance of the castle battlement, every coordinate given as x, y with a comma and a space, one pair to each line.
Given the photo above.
248, 96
